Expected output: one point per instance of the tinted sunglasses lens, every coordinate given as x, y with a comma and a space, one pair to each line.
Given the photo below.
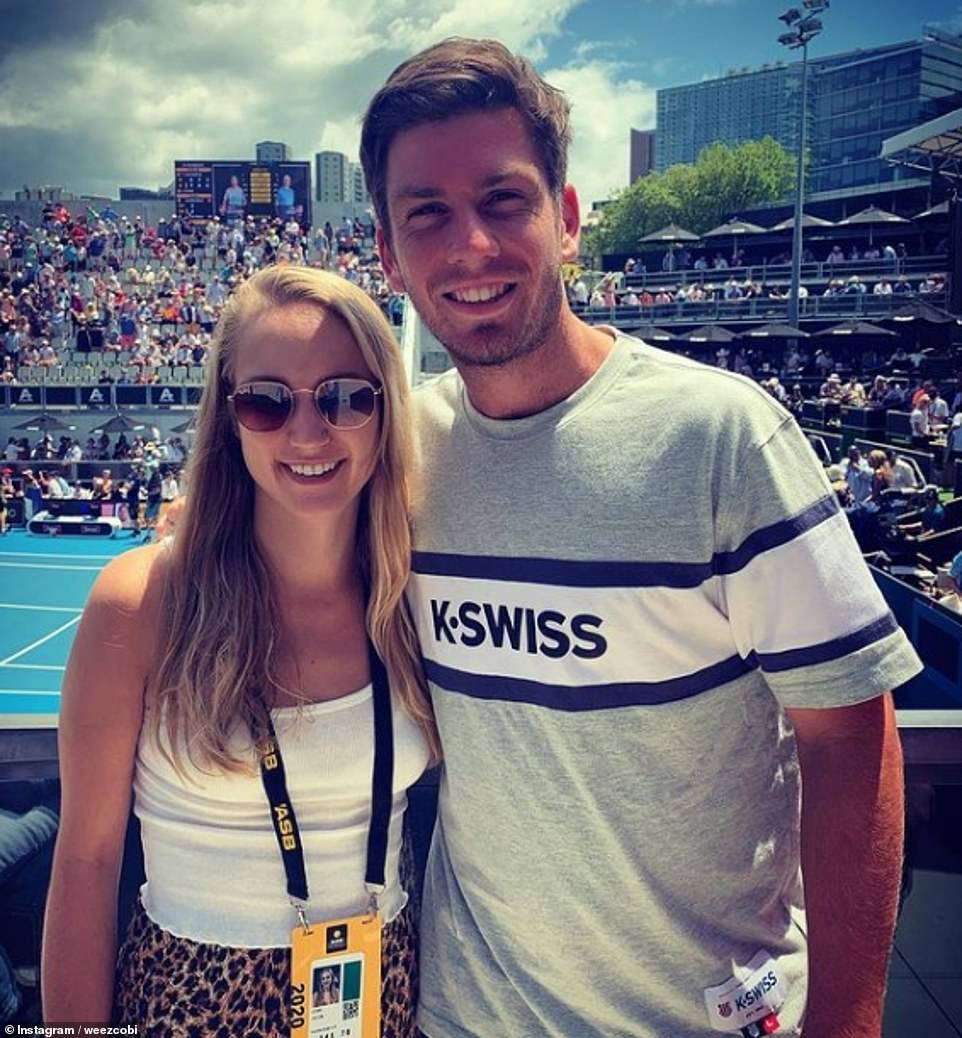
262, 407
346, 403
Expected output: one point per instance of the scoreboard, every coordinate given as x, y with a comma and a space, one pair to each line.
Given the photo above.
234, 190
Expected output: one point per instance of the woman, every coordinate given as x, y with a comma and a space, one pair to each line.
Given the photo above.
327, 991
293, 548
881, 473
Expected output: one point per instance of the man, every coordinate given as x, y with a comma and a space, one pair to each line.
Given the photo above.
857, 475
614, 663
831, 388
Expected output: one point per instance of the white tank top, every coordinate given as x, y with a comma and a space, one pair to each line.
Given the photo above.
214, 870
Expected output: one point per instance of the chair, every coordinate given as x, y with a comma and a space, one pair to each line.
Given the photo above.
939, 548
196, 375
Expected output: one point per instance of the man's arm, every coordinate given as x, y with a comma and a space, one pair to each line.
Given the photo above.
851, 846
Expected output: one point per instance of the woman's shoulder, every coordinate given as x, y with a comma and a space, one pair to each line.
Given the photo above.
134, 582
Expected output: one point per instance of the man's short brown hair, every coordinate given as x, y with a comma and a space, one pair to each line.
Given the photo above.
455, 77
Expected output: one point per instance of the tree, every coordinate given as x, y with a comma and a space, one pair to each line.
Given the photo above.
721, 183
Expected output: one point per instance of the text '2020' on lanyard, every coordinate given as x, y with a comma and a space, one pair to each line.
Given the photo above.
336, 964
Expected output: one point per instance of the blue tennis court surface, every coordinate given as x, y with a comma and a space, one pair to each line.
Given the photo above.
44, 582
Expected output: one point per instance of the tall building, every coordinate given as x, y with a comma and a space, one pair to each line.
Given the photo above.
273, 151
741, 106
359, 191
339, 180
861, 98
332, 177
642, 159
855, 101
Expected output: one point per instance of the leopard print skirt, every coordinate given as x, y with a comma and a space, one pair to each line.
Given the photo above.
176, 988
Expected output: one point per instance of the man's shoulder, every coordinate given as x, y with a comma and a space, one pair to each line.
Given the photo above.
436, 396
702, 390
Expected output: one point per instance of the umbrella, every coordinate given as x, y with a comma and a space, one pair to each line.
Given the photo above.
808, 221
649, 333
922, 311
942, 209
854, 328
709, 333
871, 217
44, 423
667, 235
119, 423
734, 227
775, 331
190, 426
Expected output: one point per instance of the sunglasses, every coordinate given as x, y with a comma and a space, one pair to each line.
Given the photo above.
343, 403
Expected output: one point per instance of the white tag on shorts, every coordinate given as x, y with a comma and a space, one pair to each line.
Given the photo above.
755, 991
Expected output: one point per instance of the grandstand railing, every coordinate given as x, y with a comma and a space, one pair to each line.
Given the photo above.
780, 273
758, 308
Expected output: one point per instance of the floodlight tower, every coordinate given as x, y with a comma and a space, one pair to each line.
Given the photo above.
803, 27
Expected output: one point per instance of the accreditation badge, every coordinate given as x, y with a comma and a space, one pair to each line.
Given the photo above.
336, 978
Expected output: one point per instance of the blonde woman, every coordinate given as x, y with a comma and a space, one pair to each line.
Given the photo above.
253, 623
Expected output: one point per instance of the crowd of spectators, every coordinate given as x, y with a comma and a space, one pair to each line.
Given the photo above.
613, 291
171, 450
136, 301
891, 257
136, 491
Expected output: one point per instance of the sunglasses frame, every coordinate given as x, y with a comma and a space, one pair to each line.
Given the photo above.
362, 382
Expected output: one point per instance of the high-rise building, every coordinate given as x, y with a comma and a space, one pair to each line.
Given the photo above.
332, 177
741, 106
861, 98
855, 100
642, 160
359, 191
273, 151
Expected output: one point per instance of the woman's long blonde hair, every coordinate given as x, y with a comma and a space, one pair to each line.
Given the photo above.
217, 662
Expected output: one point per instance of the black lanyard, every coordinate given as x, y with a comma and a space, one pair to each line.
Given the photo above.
282, 810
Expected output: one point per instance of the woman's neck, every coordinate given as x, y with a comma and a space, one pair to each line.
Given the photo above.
309, 558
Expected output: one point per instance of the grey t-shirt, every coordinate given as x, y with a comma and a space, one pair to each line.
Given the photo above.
616, 600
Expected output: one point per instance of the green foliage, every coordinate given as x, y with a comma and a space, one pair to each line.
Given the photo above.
722, 183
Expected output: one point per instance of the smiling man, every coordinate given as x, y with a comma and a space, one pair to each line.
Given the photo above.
634, 687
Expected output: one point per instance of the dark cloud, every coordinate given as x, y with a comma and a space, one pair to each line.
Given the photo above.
34, 156
30, 24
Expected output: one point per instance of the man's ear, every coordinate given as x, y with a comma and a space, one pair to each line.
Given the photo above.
570, 224
391, 271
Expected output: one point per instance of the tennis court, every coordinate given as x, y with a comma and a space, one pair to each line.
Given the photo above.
44, 582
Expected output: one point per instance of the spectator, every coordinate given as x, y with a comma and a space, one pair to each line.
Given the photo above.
920, 419
858, 475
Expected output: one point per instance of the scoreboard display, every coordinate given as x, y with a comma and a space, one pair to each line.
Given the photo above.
232, 191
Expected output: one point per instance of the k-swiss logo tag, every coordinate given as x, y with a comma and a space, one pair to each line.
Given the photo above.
755, 993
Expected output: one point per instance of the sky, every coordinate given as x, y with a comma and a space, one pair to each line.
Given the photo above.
95, 94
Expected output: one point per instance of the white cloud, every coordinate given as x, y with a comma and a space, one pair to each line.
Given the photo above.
209, 78
951, 24
604, 108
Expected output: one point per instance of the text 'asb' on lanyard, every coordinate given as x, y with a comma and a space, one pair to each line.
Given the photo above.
282, 811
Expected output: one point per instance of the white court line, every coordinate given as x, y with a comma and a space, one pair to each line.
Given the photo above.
26, 565
39, 641
26, 692
48, 555
31, 666
40, 608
